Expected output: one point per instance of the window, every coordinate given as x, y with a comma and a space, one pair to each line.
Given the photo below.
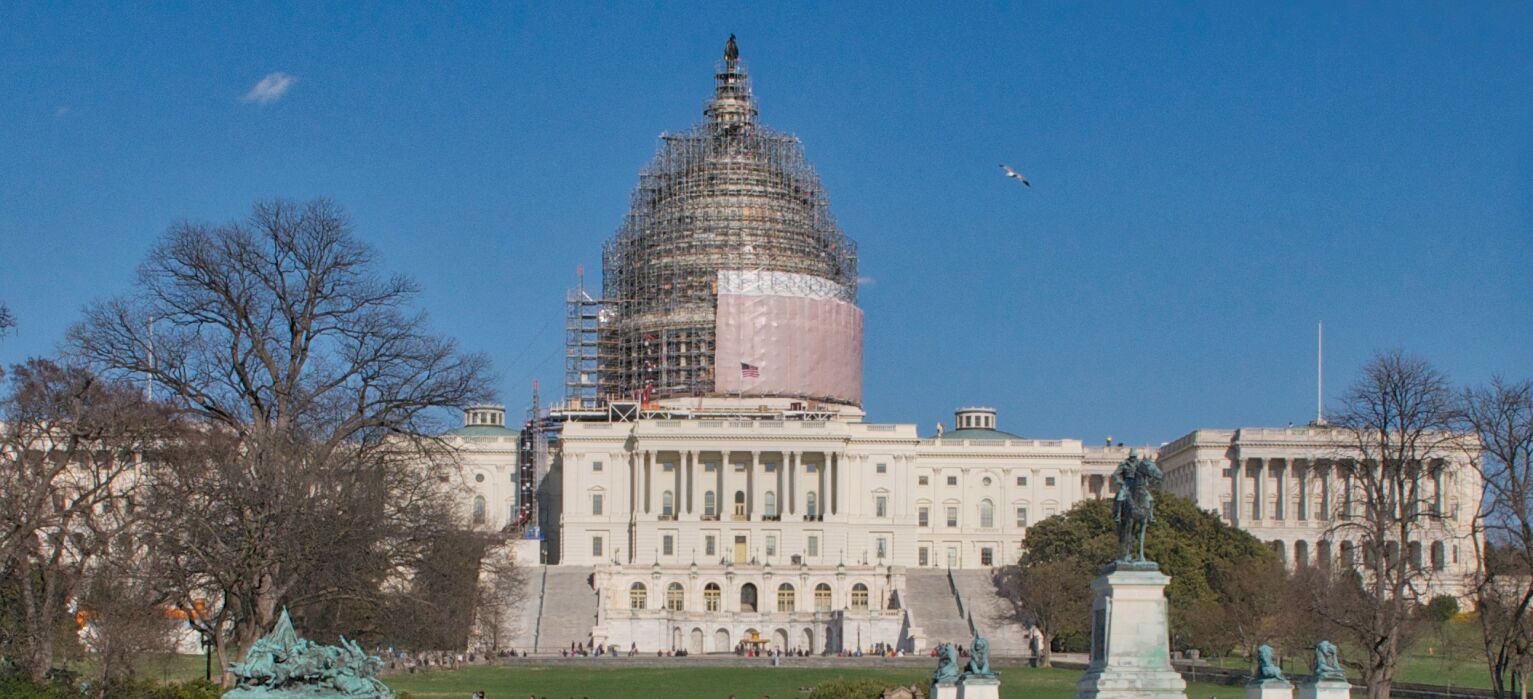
478, 509
675, 597
814, 545
740, 467
710, 468
595, 465
822, 597
710, 503
859, 596
923, 557
952, 515
770, 467
952, 557
595, 503
479, 478
667, 504
814, 504
986, 481
881, 506
771, 545
923, 517
811, 468
986, 514
667, 467
710, 545
785, 601
668, 545
1021, 480
1022, 515
638, 597
771, 504
923, 480
1048, 482
881, 547
596, 547
883, 468
987, 556
739, 504
952, 480
711, 596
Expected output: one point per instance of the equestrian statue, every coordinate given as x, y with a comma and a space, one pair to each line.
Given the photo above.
1133, 508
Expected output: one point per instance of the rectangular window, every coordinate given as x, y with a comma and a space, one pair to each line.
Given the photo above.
1048, 481
1022, 480
709, 543
740, 468
668, 545
771, 545
923, 557
987, 556
811, 468
923, 480
1022, 516
883, 468
595, 465
923, 517
668, 467
596, 547
595, 503
952, 480
710, 468
881, 506
952, 516
882, 547
771, 467
814, 546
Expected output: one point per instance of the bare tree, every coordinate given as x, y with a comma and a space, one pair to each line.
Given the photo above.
315, 473
1053, 596
7, 320
71, 451
1501, 415
1398, 424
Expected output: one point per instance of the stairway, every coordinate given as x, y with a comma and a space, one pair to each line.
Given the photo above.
933, 608
568, 608
992, 612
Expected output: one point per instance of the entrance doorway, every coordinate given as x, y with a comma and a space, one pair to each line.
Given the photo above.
747, 597
740, 552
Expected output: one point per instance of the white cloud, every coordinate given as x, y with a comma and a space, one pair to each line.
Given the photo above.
270, 89
866, 281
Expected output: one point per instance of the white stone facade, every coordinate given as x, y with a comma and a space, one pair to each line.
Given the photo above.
487, 459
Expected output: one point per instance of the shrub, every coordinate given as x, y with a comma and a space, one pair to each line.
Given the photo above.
850, 689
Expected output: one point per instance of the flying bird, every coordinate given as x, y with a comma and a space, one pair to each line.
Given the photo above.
1015, 175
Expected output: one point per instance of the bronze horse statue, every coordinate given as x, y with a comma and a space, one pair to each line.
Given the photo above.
1134, 505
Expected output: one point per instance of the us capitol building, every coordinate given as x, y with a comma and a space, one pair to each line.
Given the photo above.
709, 479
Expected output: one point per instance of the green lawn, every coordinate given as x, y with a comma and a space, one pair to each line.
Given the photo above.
1455, 658
587, 678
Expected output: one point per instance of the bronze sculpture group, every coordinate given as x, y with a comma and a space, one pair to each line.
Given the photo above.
282, 665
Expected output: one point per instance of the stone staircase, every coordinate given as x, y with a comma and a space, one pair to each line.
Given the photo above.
933, 609
568, 608
991, 612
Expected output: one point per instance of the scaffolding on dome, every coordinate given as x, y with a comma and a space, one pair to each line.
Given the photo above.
728, 196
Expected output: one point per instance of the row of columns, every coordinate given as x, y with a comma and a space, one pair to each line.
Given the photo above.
791, 482
1285, 472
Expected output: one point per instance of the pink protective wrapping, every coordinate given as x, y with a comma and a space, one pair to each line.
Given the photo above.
801, 346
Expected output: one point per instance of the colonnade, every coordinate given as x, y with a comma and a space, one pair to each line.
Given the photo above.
695, 485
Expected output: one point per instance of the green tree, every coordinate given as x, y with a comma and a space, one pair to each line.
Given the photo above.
1191, 545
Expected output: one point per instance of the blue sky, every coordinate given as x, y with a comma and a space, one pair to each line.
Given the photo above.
1208, 180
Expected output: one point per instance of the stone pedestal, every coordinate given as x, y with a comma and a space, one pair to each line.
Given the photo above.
1325, 689
979, 688
1269, 689
1130, 637
943, 690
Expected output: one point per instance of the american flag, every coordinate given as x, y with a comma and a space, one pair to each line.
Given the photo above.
749, 371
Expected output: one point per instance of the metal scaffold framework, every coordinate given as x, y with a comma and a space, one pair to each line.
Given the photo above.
726, 195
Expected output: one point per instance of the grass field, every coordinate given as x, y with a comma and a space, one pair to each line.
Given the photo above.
565, 680
1455, 659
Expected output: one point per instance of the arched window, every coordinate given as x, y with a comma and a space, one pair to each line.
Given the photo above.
822, 597
1323, 554
1281, 549
638, 597
859, 596
711, 596
785, 598
1301, 552
748, 597
478, 509
1348, 554
813, 504
771, 504
710, 504
1439, 556
986, 514
739, 504
667, 503
675, 597
1413, 549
